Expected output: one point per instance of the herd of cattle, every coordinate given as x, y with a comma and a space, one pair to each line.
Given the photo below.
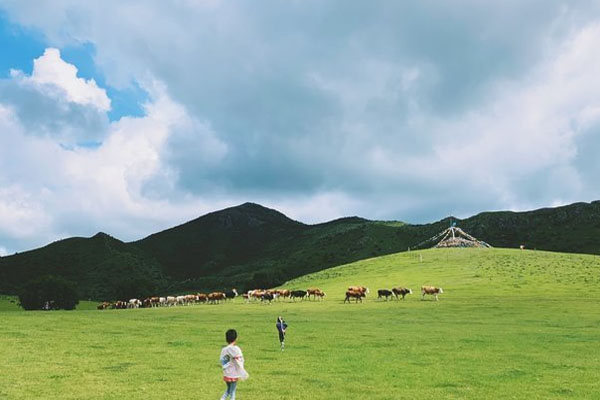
354, 292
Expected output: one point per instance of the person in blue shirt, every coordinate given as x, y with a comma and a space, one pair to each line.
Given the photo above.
281, 327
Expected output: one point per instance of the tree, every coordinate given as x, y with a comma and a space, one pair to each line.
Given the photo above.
136, 287
48, 293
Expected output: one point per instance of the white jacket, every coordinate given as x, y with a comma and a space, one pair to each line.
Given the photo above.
232, 361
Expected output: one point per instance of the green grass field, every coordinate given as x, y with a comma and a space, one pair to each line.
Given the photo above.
510, 325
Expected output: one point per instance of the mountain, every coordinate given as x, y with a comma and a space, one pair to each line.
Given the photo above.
101, 266
254, 246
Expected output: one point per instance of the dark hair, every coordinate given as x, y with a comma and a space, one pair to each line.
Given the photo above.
230, 336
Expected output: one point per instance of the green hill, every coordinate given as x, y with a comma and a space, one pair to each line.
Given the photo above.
252, 246
511, 324
102, 266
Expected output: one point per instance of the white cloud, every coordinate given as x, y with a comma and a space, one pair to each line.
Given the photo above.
50, 72
49, 191
407, 116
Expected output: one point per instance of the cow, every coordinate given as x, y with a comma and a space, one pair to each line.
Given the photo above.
400, 291
432, 291
298, 294
103, 306
215, 297
202, 297
359, 289
231, 294
355, 295
171, 301
268, 296
134, 303
283, 293
384, 293
255, 294
162, 301
147, 303
119, 305
154, 301
315, 292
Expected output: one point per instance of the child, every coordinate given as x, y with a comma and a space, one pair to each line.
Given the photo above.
232, 361
281, 327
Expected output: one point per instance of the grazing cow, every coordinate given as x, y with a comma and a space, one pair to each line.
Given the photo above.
103, 305
231, 294
384, 293
354, 295
246, 297
315, 292
147, 303
400, 291
432, 291
359, 289
298, 294
162, 301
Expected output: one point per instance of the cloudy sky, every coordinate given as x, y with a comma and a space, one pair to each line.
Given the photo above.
132, 117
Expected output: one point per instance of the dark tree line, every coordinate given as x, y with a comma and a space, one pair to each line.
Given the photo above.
49, 293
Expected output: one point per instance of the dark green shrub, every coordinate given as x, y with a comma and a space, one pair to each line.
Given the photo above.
48, 293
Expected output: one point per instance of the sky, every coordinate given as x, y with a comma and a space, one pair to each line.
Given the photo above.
133, 117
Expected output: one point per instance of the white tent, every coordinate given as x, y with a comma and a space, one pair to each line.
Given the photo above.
452, 237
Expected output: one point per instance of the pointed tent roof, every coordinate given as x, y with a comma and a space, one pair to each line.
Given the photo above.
452, 237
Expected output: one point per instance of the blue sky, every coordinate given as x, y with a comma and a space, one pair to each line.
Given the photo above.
131, 118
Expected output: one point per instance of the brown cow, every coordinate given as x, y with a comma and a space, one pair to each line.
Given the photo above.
355, 295
215, 297
359, 289
400, 291
431, 290
202, 297
154, 301
104, 305
283, 293
315, 292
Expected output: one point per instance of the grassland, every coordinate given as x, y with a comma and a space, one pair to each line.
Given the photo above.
510, 325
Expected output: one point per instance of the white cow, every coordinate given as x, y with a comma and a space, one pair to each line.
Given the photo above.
171, 301
134, 303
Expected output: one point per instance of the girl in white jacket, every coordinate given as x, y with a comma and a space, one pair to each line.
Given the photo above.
232, 361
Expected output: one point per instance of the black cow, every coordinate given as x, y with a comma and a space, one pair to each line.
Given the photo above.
231, 294
267, 297
298, 293
400, 291
384, 293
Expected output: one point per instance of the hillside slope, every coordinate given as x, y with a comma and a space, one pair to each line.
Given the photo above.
253, 246
101, 266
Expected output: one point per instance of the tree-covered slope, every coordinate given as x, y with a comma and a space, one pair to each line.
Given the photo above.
101, 266
253, 246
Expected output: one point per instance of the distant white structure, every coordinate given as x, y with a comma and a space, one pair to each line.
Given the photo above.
452, 237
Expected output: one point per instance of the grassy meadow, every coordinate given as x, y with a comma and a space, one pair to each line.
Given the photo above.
510, 325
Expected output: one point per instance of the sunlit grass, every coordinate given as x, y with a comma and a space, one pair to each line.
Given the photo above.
511, 324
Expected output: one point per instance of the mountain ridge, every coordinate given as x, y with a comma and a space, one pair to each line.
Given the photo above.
254, 246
